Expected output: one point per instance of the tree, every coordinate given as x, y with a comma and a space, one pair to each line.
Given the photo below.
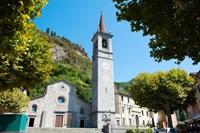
168, 91
25, 54
48, 31
13, 101
15, 15
54, 33
26, 61
172, 24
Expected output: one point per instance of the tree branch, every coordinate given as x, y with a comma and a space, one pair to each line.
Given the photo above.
186, 6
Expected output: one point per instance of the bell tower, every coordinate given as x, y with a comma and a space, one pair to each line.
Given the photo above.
103, 100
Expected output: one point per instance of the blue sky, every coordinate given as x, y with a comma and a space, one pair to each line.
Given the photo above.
78, 21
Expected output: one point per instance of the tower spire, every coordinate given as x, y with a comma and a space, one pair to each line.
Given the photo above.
102, 27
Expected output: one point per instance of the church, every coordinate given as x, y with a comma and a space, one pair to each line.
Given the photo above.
60, 107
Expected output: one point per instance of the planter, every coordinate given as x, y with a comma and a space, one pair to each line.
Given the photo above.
13, 122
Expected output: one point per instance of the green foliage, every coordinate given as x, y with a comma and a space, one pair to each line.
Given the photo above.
76, 76
129, 131
139, 130
122, 86
181, 115
15, 15
25, 54
54, 33
72, 67
13, 101
172, 24
51, 33
48, 31
167, 91
25, 60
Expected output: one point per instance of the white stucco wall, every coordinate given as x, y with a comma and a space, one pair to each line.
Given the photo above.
48, 106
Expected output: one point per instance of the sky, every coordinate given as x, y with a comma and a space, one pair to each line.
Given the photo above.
79, 20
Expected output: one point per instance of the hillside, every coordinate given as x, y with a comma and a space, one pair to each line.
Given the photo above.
122, 86
72, 64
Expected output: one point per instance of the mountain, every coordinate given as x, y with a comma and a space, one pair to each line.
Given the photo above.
71, 64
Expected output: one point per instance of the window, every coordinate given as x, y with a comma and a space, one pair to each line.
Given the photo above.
129, 121
129, 110
123, 109
61, 99
147, 113
82, 110
122, 98
128, 99
137, 120
34, 108
118, 123
142, 113
104, 43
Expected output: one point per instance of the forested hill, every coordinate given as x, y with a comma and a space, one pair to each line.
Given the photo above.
123, 86
71, 64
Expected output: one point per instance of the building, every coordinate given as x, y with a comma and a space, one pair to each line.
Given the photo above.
193, 119
103, 99
131, 115
59, 106
194, 109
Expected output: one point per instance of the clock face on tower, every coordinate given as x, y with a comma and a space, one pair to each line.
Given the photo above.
105, 65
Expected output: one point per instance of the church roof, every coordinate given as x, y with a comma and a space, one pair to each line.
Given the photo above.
45, 91
195, 74
102, 27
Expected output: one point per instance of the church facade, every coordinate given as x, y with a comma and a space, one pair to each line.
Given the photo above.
60, 107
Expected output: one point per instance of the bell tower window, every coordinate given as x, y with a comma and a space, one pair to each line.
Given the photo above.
104, 43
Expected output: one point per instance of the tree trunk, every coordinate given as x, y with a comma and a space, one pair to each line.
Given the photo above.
168, 112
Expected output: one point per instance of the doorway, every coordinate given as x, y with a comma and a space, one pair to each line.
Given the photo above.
31, 122
59, 121
81, 123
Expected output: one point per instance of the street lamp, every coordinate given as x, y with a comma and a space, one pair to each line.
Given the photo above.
106, 116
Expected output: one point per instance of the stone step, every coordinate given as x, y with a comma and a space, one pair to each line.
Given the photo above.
63, 130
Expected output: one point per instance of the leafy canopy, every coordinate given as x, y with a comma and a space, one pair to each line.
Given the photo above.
167, 91
25, 56
13, 101
173, 87
172, 24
